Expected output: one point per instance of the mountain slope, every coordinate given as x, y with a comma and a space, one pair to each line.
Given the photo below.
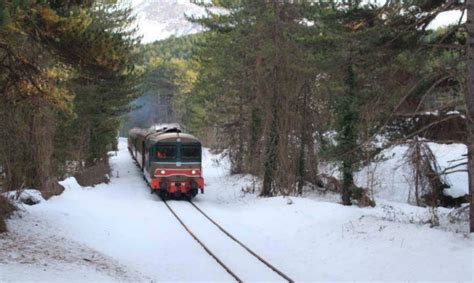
160, 19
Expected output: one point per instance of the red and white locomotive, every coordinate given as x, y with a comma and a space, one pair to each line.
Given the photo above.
170, 160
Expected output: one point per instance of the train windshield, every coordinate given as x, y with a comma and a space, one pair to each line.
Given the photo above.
165, 152
191, 152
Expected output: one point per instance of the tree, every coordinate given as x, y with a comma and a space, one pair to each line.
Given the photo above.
470, 105
253, 68
347, 136
55, 57
29, 97
169, 76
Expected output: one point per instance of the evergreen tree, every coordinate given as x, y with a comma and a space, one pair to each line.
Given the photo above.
253, 66
347, 134
46, 49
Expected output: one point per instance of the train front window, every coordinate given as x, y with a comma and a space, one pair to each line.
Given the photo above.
191, 152
165, 152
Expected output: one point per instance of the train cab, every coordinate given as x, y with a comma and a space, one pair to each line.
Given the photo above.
170, 160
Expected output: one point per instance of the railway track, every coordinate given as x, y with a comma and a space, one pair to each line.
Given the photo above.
228, 236
226, 267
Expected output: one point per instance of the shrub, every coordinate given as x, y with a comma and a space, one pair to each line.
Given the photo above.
6, 209
93, 175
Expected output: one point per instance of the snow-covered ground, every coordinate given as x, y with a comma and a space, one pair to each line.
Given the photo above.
391, 177
120, 232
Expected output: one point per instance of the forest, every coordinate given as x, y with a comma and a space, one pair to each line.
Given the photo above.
67, 77
296, 86
283, 87
334, 139
301, 95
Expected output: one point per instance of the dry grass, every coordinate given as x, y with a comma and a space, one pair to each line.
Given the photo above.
52, 188
6, 209
93, 175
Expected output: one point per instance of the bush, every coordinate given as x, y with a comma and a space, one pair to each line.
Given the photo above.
93, 175
6, 209
362, 197
52, 188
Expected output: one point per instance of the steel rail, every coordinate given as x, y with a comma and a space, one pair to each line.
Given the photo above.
276, 270
203, 245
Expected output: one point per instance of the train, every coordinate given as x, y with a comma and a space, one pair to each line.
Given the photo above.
169, 159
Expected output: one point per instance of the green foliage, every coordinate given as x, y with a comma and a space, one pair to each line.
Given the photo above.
5, 18
169, 76
252, 67
362, 63
67, 78
174, 47
346, 116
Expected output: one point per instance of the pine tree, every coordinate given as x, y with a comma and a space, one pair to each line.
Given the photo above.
45, 49
251, 74
347, 134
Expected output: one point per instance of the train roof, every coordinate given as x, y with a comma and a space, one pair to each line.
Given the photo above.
161, 135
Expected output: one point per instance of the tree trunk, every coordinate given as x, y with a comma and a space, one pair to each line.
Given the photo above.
272, 149
272, 143
254, 147
470, 106
348, 140
303, 139
239, 166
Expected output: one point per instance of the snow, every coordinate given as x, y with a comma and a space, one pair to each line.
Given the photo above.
391, 177
247, 267
447, 18
160, 19
51, 273
314, 240
120, 232
26, 196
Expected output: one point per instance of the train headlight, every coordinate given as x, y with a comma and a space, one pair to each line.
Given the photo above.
193, 172
163, 172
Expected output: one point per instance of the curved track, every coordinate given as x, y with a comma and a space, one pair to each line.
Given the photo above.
233, 246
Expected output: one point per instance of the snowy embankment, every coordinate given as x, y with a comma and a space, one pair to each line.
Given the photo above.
391, 177
119, 232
